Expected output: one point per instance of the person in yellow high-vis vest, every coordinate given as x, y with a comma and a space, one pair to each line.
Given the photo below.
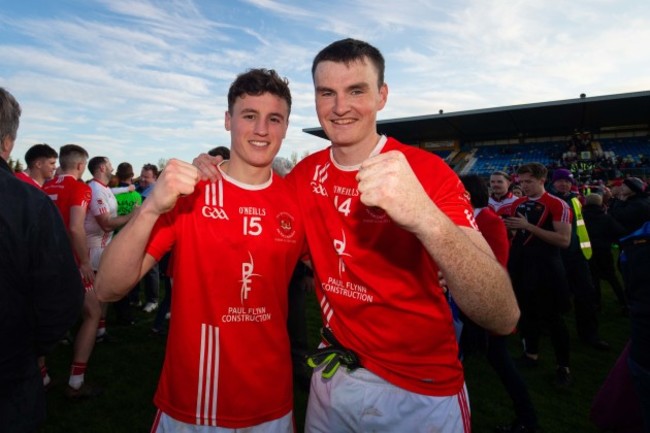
575, 259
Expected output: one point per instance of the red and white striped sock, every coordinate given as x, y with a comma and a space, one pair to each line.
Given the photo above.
77, 373
101, 328
46, 377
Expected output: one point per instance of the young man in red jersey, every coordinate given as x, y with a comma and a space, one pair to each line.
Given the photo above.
41, 164
72, 196
235, 244
542, 226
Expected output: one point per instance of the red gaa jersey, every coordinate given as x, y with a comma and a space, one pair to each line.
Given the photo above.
235, 247
67, 191
27, 179
502, 205
377, 285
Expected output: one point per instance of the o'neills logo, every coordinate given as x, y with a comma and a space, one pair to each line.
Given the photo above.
285, 225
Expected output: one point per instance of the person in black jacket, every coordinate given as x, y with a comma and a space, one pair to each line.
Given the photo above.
603, 232
40, 285
632, 206
636, 274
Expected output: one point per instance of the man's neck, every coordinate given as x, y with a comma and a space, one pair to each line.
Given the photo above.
35, 175
73, 173
354, 154
246, 173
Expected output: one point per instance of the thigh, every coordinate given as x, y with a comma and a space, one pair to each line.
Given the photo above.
360, 401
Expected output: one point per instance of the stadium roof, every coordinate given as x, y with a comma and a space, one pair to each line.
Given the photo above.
627, 111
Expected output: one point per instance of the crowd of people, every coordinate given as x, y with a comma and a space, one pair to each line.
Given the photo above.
393, 239
561, 247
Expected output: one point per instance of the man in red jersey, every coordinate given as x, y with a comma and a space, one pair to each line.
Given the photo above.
72, 197
235, 244
385, 218
500, 198
542, 225
41, 163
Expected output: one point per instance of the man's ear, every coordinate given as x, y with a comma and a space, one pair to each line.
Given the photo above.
227, 121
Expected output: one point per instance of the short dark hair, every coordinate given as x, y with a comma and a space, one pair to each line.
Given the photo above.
153, 168
124, 171
9, 115
39, 151
477, 189
256, 82
535, 169
96, 162
71, 154
351, 50
221, 151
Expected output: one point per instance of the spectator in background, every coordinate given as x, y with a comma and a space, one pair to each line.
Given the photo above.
40, 285
516, 190
101, 221
500, 198
127, 201
494, 231
576, 263
41, 164
542, 225
603, 232
72, 197
151, 280
632, 207
636, 275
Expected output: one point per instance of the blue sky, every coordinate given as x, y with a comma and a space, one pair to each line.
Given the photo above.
141, 80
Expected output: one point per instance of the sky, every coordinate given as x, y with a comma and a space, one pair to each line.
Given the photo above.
145, 80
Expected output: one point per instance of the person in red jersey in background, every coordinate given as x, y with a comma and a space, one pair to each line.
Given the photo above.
501, 197
41, 164
495, 233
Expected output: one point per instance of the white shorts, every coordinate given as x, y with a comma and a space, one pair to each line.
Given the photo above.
166, 424
361, 401
95, 255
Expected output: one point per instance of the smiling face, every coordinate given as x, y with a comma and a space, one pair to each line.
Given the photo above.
257, 125
348, 98
46, 167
